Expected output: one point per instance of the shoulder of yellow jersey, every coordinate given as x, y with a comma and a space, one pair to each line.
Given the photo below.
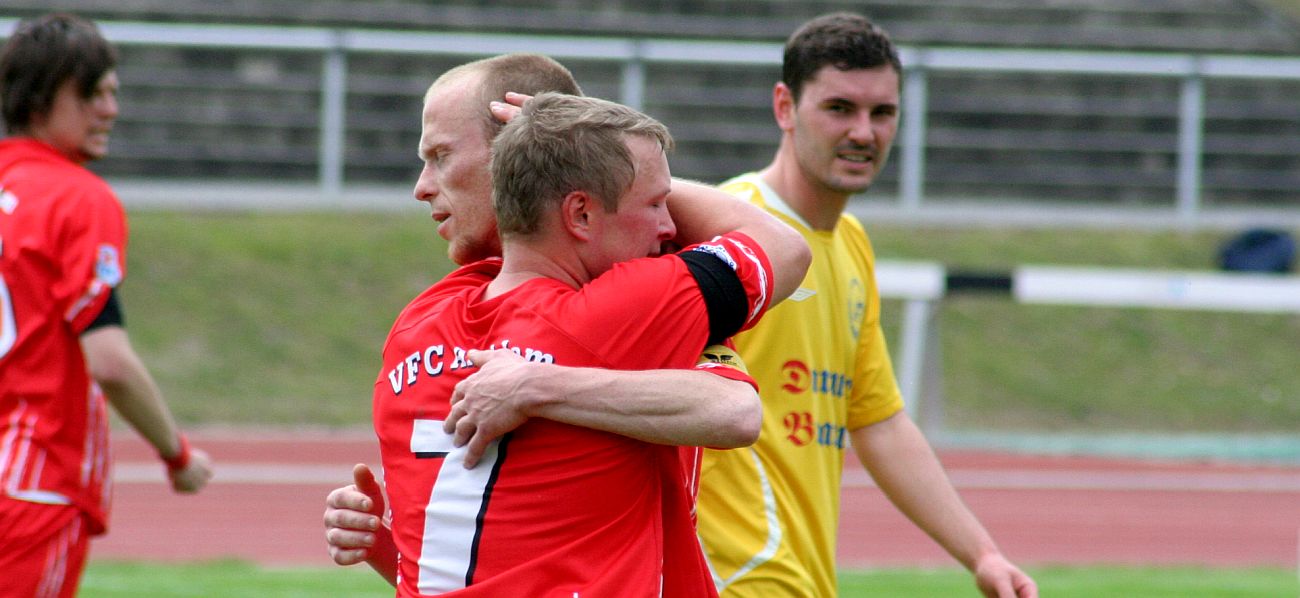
744, 187
856, 235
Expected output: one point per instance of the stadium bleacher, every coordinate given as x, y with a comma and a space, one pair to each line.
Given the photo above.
253, 114
1175, 25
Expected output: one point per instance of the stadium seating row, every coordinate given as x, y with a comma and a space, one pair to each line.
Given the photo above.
254, 114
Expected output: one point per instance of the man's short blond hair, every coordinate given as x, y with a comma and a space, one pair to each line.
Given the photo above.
560, 144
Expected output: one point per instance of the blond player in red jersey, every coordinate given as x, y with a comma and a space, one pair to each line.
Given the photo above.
63, 348
581, 195
582, 187
716, 407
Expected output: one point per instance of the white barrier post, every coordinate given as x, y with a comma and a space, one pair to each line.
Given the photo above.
920, 285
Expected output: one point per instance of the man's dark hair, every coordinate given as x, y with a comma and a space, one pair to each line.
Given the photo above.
40, 56
844, 40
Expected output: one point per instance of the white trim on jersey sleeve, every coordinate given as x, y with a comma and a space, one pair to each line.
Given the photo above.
761, 302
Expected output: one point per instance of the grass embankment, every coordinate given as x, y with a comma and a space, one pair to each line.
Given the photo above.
278, 319
272, 318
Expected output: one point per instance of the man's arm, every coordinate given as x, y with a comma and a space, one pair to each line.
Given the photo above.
682, 407
702, 212
678, 407
114, 364
354, 526
900, 460
669, 407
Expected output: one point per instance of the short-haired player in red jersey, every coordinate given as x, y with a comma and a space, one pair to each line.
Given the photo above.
688, 407
581, 192
63, 348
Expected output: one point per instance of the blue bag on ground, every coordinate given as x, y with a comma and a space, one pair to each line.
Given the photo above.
1258, 250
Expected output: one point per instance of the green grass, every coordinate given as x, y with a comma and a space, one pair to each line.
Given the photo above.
260, 318
237, 579
1081, 582
227, 579
278, 319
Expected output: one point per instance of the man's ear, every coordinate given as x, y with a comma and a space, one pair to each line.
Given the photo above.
783, 105
575, 214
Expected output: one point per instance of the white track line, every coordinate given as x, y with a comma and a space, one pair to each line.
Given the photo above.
243, 473
993, 479
985, 479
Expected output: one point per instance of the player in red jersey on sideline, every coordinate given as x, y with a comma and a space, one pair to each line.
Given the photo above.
63, 348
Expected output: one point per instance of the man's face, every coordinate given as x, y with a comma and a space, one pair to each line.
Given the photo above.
455, 180
641, 224
843, 126
78, 127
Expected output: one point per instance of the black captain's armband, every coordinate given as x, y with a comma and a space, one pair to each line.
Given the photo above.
111, 315
724, 295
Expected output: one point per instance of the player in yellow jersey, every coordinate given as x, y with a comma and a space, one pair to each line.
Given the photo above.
768, 514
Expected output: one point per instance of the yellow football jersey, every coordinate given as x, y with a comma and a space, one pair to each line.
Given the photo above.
768, 514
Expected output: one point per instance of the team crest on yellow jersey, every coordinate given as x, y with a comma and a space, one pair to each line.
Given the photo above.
857, 304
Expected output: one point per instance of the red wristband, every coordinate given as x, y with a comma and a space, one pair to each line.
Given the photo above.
182, 458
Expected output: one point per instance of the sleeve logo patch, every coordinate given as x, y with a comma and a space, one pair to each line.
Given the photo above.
108, 266
717, 251
721, 356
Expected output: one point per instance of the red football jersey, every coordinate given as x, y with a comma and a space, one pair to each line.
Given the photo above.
62, 250
552, 509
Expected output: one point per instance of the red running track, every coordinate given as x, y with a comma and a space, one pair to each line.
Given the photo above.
266, 501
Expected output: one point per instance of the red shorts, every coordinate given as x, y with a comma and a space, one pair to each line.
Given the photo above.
42, 549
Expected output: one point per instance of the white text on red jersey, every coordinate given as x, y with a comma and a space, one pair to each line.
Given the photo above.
435, 360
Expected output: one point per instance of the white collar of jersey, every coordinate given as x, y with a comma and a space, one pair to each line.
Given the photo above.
774, 200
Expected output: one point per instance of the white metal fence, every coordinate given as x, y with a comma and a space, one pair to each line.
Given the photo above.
634, 57
923, 285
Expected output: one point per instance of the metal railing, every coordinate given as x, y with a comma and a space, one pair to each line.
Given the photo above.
634, 55
921, 286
